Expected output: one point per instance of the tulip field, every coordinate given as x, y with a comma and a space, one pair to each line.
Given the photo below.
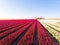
53, 27
29, 32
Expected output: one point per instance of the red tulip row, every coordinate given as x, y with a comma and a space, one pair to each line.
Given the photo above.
4, 25
8, 39
27, 39
43, 37
24, 32
7, 32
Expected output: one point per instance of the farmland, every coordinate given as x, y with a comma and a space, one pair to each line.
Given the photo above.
53, 27
29, 32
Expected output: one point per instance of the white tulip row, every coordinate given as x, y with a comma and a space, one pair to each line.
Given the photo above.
53, 22
53, 26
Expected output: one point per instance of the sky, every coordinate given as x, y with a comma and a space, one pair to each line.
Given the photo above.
29, 9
